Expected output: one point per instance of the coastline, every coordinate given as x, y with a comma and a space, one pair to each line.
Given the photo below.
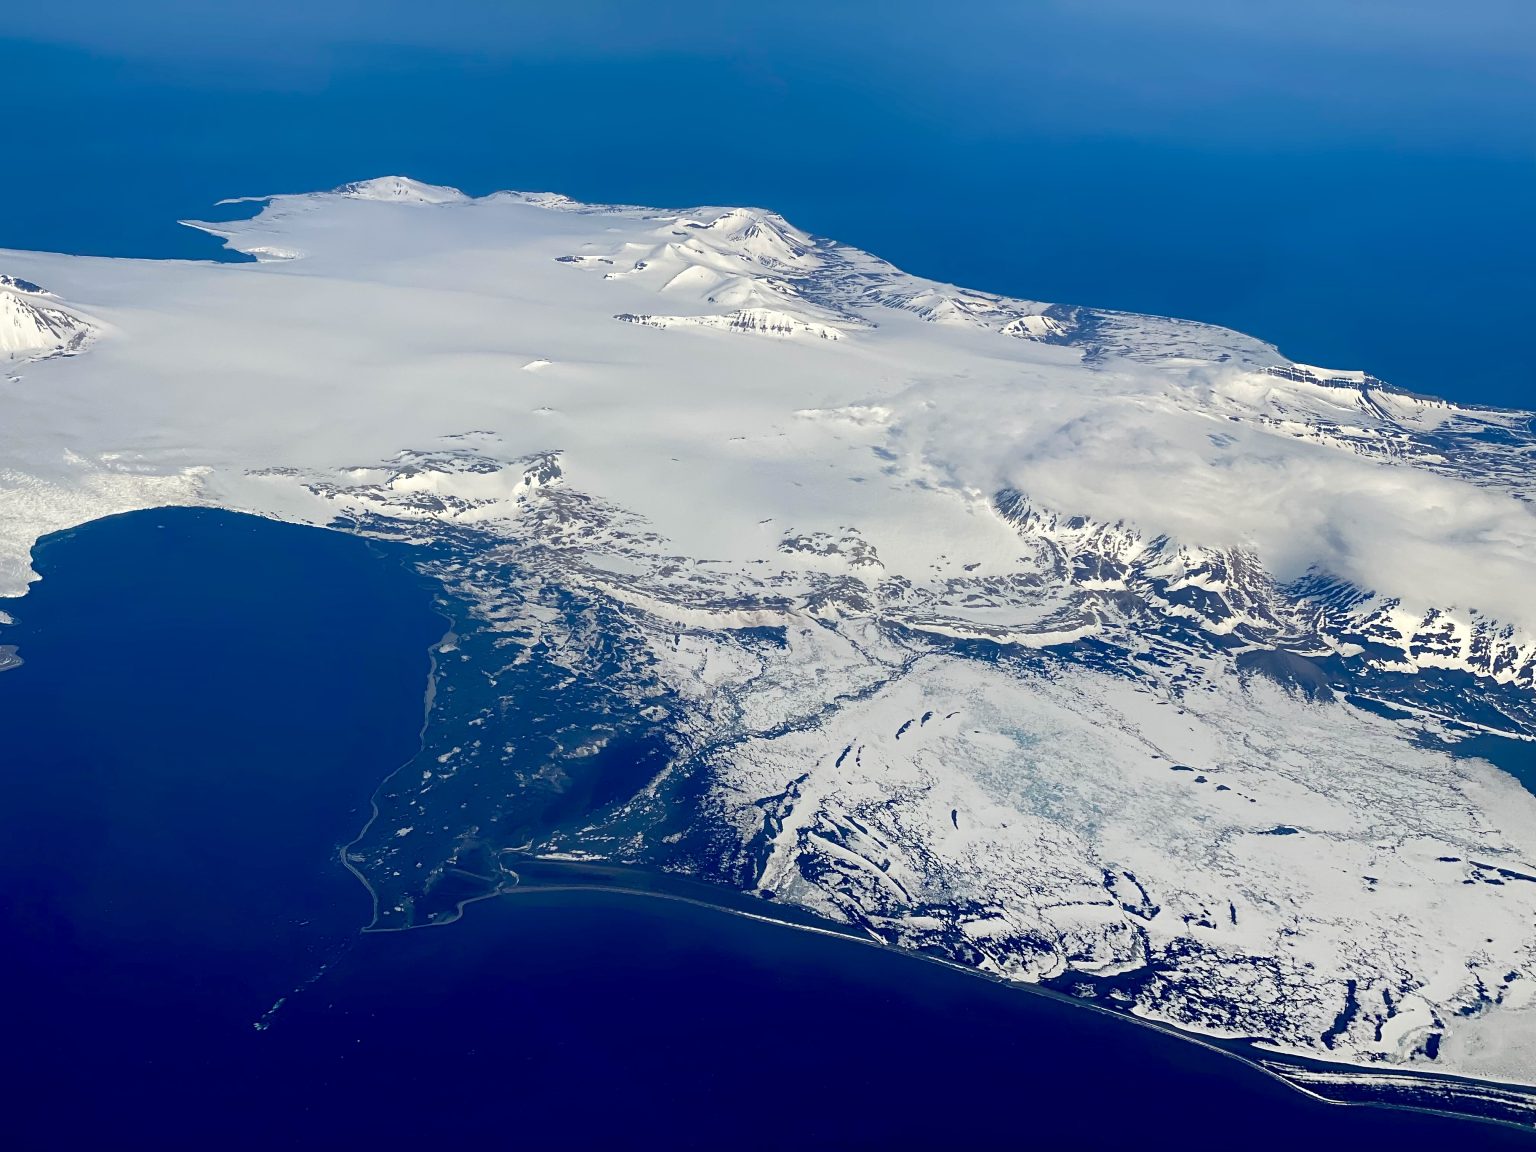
429, 697
1374, 1087
1423, 1091
565, 884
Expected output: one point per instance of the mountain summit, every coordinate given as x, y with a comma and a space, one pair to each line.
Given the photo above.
31, 327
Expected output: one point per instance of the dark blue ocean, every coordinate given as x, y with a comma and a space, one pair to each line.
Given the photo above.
206, 704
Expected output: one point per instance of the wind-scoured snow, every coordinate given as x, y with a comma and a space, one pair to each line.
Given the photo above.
1114, 651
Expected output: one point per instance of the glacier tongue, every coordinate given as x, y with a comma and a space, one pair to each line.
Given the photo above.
1112, 651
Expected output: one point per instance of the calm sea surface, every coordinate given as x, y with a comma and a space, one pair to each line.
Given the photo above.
207, 702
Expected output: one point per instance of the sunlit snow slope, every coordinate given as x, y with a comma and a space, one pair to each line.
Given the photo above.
1109, 650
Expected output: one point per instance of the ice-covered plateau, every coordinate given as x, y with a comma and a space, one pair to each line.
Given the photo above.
1109, 651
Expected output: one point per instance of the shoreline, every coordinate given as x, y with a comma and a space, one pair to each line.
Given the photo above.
1275, 1064
429, 697
1298, 1072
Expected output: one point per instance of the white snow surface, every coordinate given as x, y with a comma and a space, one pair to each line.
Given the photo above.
772, 429
399, 325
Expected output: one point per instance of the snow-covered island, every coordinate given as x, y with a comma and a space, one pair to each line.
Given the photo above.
1109, 651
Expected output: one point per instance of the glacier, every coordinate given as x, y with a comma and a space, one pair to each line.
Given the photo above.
1115, 653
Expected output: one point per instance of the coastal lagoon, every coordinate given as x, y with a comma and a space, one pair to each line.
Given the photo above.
205, 705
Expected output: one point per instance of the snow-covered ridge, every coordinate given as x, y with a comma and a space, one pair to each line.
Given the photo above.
759, 321
30, 326
1074, 615
401, 190
16, 284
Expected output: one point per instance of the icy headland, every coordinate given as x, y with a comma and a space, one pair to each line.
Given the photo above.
1113, 651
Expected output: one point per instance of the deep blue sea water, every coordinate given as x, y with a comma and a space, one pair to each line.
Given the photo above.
207, 702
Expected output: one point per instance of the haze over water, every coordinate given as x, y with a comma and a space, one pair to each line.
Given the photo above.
1352, 183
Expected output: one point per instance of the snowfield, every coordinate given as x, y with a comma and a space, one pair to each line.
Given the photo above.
1112, 651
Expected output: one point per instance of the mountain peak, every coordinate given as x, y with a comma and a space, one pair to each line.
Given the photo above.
401, 189
764, 236
30, 328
